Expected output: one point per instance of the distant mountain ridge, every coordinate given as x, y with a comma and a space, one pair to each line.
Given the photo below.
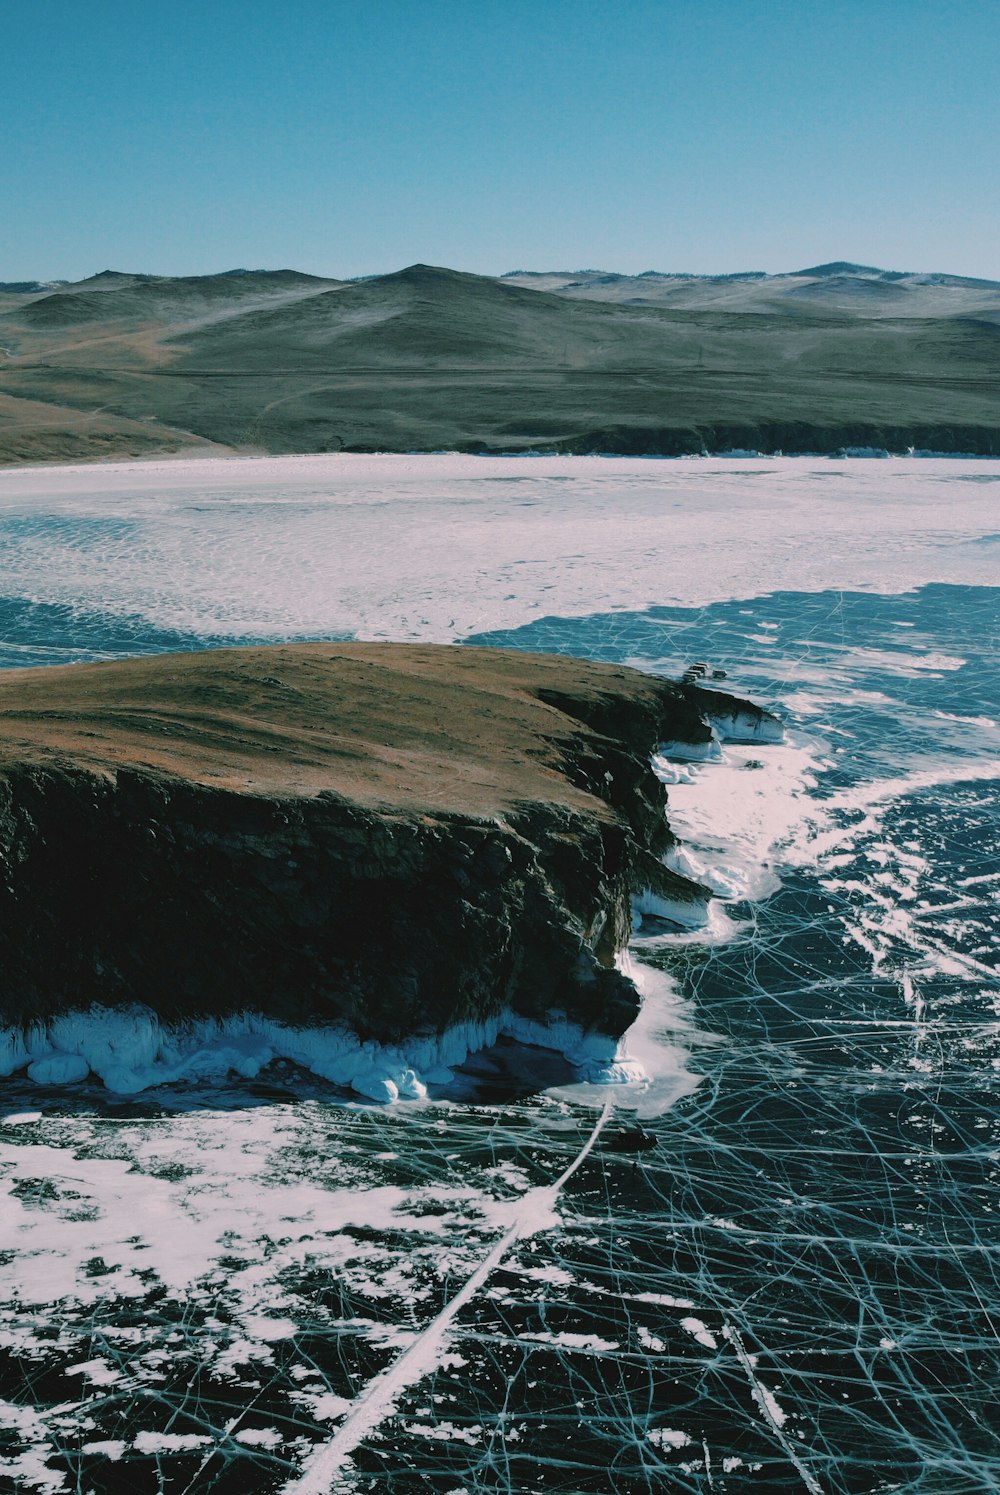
832, 267
32, 285
838, 355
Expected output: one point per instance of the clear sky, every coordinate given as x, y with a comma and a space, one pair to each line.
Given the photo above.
349, 137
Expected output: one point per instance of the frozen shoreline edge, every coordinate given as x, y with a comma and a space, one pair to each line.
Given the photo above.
180, 461
528, 919
130, 1050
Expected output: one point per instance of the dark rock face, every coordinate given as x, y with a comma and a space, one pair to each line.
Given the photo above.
193, 902
790, 437
127, 875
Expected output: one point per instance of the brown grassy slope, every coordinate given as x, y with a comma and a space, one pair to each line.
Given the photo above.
412, 727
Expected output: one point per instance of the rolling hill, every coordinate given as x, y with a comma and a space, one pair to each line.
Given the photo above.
836, 355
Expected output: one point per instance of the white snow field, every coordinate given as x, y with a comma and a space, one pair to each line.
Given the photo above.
433, 548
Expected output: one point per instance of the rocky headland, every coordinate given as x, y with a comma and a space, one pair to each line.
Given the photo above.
388, 843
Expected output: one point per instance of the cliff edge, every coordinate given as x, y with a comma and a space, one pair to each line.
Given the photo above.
389, 841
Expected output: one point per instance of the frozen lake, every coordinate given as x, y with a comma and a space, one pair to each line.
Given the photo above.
264, 1286
434, 548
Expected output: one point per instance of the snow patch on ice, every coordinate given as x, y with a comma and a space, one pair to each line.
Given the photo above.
446, 1432
259, 1437
111, 1449
270, 1329
170, 1442
701, 1333
29, 1470
668, 1438
98, 1372
664, 1300
322, 1406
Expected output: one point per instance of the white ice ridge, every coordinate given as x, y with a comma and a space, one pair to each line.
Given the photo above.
772, 1413
685, 752
743, 726
689, 913
726, 726
130, 1050
735, 813
323, 1469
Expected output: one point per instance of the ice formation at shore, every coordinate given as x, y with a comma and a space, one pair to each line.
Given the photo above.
131, 1050
817, 1203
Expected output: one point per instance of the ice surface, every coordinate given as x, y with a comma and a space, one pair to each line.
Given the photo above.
58, 1069
792, 1290
435, 547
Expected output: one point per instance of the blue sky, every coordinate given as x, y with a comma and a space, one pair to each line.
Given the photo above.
352, 138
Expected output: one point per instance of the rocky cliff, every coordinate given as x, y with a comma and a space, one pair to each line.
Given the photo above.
387, 839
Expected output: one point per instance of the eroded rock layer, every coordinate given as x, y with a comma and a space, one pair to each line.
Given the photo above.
391, 837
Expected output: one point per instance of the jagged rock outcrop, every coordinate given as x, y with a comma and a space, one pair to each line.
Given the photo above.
389, 837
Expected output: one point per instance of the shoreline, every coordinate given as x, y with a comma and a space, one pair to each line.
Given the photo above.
187, 459
382, 840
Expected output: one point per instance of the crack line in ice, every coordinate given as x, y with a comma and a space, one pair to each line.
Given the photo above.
379, 1398
765, 1402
